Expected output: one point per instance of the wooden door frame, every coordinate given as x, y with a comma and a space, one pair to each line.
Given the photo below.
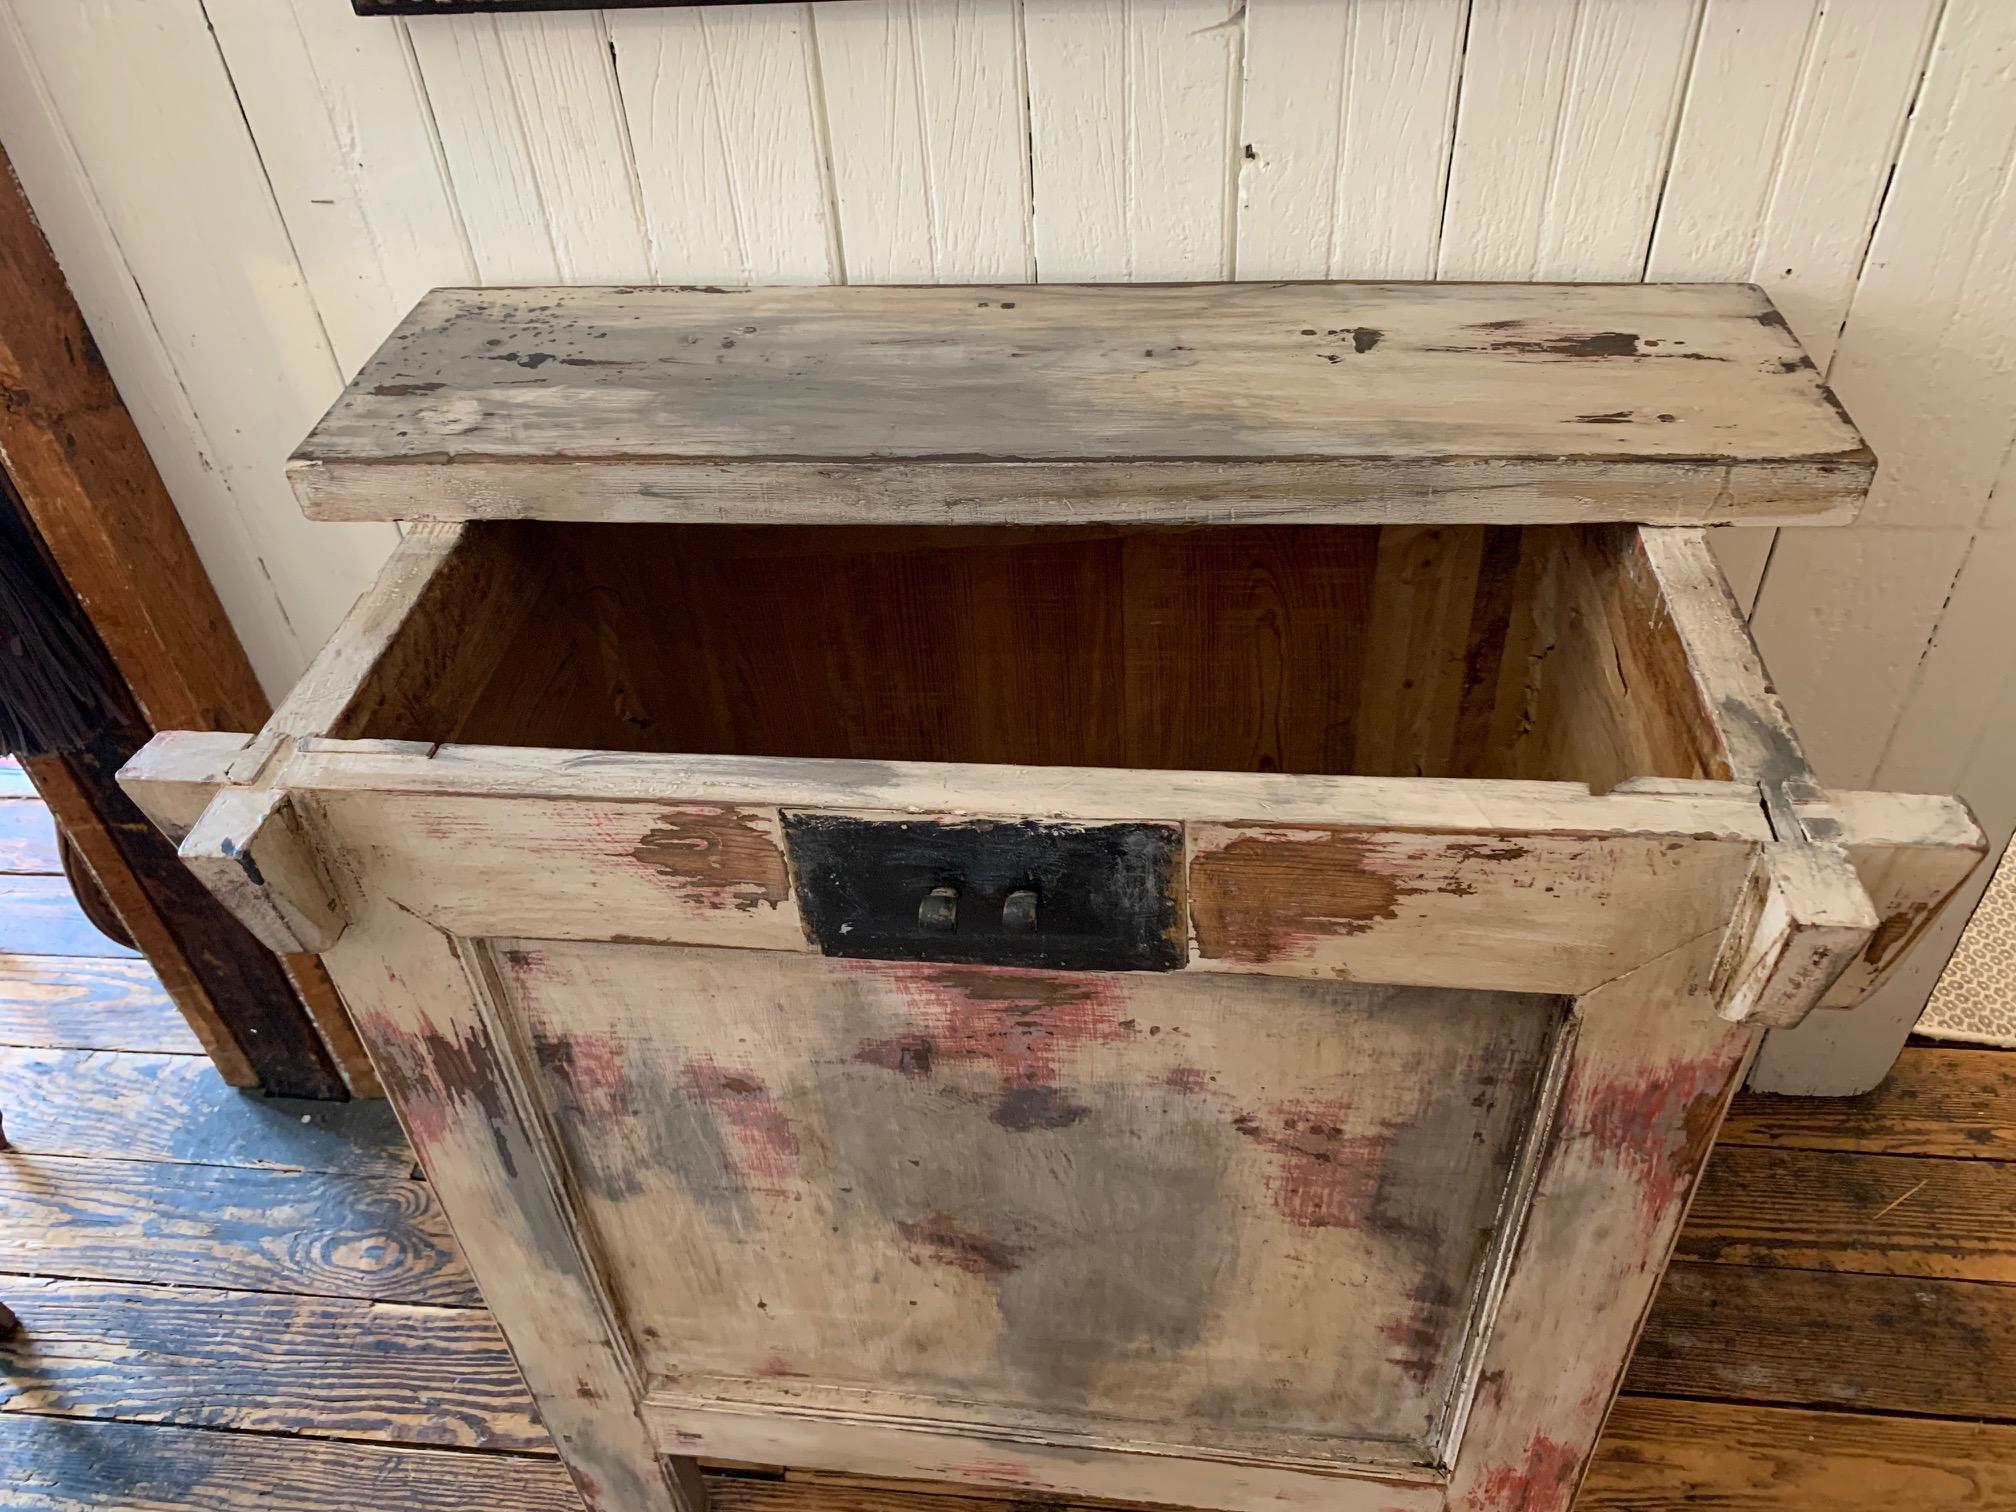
86, 488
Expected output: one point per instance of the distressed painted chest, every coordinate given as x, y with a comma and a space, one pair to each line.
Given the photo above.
1148, 894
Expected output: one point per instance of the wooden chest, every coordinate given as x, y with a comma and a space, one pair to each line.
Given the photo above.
1140, 894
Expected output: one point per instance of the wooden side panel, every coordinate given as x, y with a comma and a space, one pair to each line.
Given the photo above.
1810, 917
456, 1078
250, 850
1625, 699
1240, 1214
414, 651
1652, 1071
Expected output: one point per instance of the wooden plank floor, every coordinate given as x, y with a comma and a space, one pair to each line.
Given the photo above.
231, 1302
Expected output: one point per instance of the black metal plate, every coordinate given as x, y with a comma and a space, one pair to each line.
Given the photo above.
1106, 897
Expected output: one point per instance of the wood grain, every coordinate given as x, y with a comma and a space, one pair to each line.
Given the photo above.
257, 1362
38, 916
1932, 1348
1066, 403
122, 1220
52, 1465
1959, 1103
88, 1003
1886, 1214
27, 838
1724, 1458
127, 1106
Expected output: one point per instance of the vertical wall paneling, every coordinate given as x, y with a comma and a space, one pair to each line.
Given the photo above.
1508, 125
1614, 142
1344, 151
727, 135
1861, 75
565, 82
145, 102
536, 146
1563, 135
347, 142
925, 119
1749, 69
1134, 109
475, 106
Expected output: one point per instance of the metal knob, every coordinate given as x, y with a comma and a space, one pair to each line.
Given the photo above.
1018, 912
939, 912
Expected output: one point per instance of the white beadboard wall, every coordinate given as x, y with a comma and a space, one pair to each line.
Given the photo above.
246, 194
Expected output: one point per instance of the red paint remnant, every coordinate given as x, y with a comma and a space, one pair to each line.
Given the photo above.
1021, 1023
589, 1067
1322, 1177
1545, 1482
586, 1392
1186, 1079
1005, 1472
778, 1368
961, 1248
739, 1099
1656, 1124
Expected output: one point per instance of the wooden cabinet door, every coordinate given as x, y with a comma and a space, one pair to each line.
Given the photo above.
1359, 1207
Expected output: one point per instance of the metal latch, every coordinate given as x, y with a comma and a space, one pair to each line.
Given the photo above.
1000, 892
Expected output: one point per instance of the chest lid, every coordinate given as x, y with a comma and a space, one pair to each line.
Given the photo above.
1290, 402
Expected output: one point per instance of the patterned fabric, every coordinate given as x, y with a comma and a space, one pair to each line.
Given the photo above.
1975, 999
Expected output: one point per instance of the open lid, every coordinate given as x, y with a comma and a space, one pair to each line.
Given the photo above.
1304, 402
